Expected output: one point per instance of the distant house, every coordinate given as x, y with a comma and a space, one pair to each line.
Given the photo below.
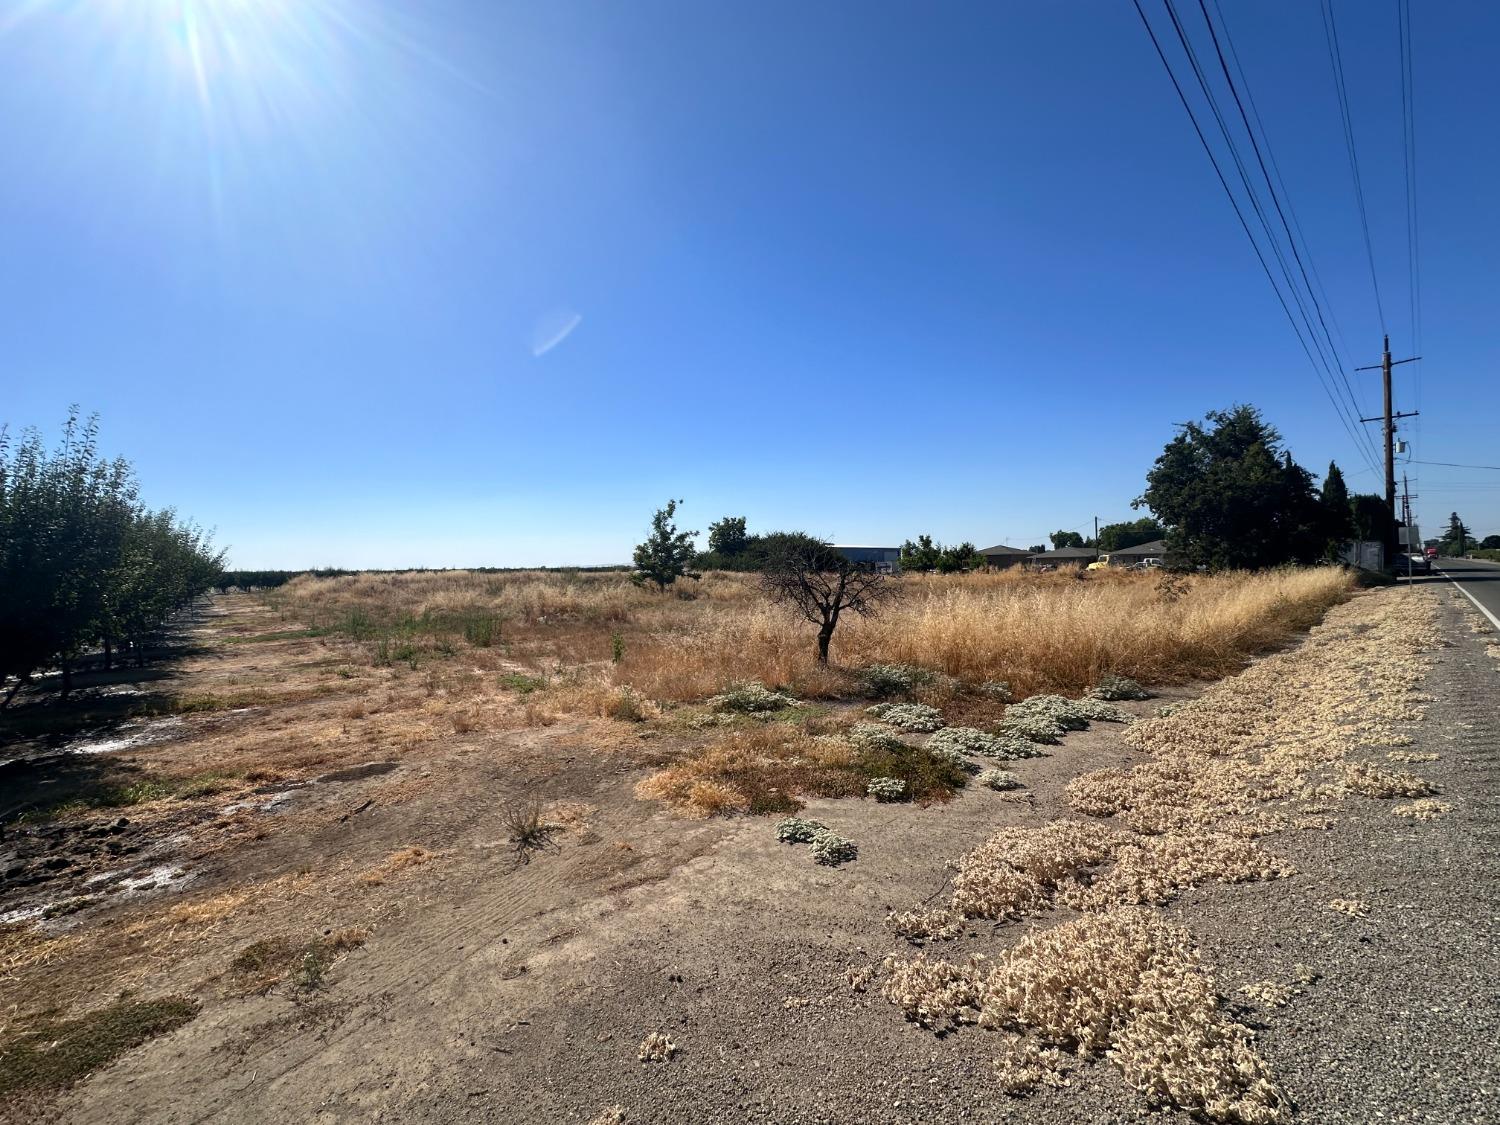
887, 559
1000, 556
1153, 553
1064, 556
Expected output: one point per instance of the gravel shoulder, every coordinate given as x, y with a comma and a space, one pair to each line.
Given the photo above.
742, 954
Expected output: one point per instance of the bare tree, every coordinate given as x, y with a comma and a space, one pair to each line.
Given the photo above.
818, 583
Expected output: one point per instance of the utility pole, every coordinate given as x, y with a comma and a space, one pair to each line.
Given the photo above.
1096, 538
1389, 418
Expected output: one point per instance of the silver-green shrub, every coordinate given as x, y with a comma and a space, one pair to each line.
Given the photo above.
1058, 709
1114, 687
1098, 711
751, 698
881, 681
795, 830
1032, 728
873, 736
996, 689
915, 717
956, 757
998, 779
886, 788
831, 849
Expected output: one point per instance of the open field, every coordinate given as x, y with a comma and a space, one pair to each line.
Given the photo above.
420, 846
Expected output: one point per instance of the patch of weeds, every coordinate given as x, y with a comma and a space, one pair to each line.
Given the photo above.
527, 829
627, 705
830, 849
1031, 728
997, 690
794, 830
482, 631
884, 681
954, 757
1056, 709
263, 964
873, 736
928, 777
1112, 688
998, 779
69, 906
886, 789
54, 1055
523, 685
283, 635
750, 698
914, 717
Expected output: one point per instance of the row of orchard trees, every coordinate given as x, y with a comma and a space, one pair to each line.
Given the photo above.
84, 565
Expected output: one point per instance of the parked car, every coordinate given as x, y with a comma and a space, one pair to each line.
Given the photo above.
1415, 564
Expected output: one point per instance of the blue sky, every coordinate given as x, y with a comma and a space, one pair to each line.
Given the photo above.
459, 283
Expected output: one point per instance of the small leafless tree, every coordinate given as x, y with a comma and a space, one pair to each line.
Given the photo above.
818, 583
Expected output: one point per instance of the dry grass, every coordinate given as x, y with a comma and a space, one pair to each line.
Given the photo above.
1425, 809
1124, 984
766, 769
1037, 632
403, 859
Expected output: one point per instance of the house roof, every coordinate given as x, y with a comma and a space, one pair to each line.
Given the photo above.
1002, 549
1155, 547
1069, 553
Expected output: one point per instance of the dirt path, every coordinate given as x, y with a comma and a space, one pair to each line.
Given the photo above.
489, 994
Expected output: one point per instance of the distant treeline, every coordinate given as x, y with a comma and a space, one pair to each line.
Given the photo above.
270, 579
84, 565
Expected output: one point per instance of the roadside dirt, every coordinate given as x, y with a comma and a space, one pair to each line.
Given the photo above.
487, 989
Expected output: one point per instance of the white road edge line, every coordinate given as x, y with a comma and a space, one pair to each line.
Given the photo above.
1495, 621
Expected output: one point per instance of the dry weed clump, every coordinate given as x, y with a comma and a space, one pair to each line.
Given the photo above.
402, 859
1350, 906
1123, 983
1425, 809
1406, 757
1024, 1064
656, 1047
1023, 871
1371, 781
1271, 993
1265, 734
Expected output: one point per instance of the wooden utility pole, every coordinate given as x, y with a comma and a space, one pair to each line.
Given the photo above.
1389, 418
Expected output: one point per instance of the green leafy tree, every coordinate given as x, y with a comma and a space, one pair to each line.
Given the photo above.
1037, 548
1230, 498
1372, 520
1337, 514
1131, 533
1458, 538
728, 537
1061, 539
665, 555
83, 564
1490, 543
921, 556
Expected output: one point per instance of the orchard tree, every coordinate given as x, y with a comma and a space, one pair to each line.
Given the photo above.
728, 537
1231, 498
664, 557
819, 584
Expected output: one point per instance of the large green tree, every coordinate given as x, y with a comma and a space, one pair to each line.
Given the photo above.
1458, 538
1061, 539
1338, 516
728, 537
1131, 533
1232, 498
664, 557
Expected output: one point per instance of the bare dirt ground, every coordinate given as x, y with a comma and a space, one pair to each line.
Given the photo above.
469, 986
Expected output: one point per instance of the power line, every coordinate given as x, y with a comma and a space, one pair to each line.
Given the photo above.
1276, 200
1336, 61
1235, 204
1456, 465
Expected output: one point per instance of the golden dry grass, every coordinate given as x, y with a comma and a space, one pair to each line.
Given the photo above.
1039, 632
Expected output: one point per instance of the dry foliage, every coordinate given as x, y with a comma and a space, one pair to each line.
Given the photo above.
656, 1047
1350, 906
402, 859
1425, 809
1035, 632
1123, 983
1263, 734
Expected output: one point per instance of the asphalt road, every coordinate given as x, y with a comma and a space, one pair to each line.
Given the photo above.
1480, 580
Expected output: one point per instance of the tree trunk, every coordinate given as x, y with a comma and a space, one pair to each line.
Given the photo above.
67, 677
11, 694
825, 634
108, 656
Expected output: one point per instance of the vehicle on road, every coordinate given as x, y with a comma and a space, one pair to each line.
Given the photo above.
1414, 563
1430, 552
